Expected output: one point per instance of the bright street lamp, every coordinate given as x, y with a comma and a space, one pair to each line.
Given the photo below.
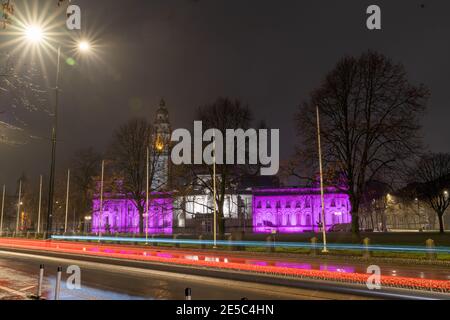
34, 34
84, 46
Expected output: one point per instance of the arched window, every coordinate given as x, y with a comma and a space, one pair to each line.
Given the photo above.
308, 203
299, 219
308, 220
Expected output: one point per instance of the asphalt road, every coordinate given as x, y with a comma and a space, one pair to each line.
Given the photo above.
102, 281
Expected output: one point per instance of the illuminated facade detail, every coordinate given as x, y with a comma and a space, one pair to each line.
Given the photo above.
198, 208
121, 216
296, 210
285, 210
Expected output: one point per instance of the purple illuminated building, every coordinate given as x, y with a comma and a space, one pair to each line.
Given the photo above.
279, 210
262, 210
296, 210
121, 216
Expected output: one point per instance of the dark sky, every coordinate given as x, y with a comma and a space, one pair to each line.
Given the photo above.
268, 53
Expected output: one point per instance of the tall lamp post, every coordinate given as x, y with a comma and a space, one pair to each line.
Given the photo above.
51, 189
35, 35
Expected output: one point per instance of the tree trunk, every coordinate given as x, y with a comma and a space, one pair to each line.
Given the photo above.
355, 215
220, 219
441, 223
383, 221
371, 220
141, 220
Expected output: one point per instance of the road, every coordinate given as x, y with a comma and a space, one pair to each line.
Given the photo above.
102, 281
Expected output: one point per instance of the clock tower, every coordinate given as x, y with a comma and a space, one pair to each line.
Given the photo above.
160, 155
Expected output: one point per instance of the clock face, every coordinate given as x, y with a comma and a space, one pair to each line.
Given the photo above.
159, 144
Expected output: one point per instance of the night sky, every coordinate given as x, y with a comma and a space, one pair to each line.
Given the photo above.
270, 54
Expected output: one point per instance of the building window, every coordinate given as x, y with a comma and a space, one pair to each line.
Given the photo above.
278, 204
308, 203
298, 205
259, 206
308, 220
268, 206
288, 204
333, 203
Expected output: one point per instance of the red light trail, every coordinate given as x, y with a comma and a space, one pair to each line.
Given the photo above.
153, 255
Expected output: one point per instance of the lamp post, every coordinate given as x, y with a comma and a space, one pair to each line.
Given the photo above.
35, 35
51, 188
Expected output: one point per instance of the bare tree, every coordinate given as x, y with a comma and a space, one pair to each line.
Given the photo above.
223, 114
432, 180
129, 153
370, 122
85, 167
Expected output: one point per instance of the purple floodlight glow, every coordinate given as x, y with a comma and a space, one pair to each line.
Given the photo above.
297, 210
122, 216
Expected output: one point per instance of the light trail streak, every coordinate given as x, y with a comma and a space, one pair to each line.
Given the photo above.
301, 245
148, 255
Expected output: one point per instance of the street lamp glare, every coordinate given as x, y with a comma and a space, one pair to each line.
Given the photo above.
84, 46
34, 34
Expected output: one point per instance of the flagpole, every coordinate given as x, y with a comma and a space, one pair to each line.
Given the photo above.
322, 198
147, 196
40, 205
67, 200
3, 209
18, 207
101, 202
214, 191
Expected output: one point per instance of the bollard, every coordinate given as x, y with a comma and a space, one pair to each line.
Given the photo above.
230, 243
270, 244
154, 243
366, 252
313, 246
202, 245
41, 279
58, 283
431, 254
238, 237
188, 293
175, 238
